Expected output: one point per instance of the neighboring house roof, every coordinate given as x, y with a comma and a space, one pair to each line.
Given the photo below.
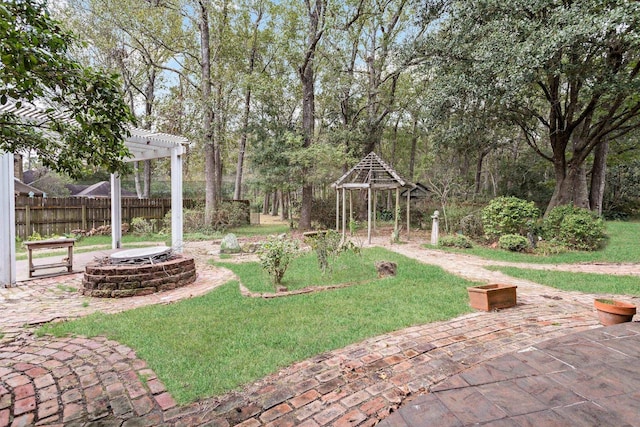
101, 189
23, 189
74, 189
31, 175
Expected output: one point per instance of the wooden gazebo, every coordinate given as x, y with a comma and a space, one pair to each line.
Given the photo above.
371, 174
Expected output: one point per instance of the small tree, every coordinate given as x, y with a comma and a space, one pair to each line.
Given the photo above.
327, 246
275, 256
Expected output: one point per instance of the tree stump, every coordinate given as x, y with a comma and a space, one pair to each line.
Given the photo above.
386, 268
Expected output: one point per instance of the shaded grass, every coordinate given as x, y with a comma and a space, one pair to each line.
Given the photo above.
212, 344
581, 282
621, 246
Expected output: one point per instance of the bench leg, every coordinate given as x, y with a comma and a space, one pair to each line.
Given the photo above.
30, 257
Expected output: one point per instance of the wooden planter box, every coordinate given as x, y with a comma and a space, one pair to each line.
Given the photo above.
491, 297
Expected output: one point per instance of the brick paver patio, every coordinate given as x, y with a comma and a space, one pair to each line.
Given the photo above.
79, 381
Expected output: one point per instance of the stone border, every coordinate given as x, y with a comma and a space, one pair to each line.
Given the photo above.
111, 281
307, 290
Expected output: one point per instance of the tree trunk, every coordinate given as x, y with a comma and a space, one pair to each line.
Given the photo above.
265, 203
598, 175
136, 179
571, 187
210, 200
414, 146
478, 179
242, 145
275, 204
146, 192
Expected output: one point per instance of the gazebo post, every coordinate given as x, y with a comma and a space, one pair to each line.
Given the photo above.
408, 213
369, 213
350, 206
344, 214
374, 210
397, 213
338, 209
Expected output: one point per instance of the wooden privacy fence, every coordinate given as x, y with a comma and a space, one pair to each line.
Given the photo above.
57, 216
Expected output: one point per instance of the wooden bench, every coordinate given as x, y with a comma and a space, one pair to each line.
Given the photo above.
51, 244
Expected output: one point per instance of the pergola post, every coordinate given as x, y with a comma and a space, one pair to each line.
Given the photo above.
176, 198
116, 212
7, 222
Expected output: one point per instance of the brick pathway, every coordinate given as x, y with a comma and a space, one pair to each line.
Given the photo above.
47, 381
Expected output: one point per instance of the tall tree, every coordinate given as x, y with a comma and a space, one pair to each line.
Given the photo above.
121, 36
568, 70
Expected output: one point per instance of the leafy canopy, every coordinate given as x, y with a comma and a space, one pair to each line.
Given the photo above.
85, 115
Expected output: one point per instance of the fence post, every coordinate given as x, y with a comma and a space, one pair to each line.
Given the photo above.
27, 221
84, 217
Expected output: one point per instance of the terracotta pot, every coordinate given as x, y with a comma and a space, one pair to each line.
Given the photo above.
612, 312
491, 297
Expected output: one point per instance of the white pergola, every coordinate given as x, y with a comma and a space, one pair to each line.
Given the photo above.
142, 144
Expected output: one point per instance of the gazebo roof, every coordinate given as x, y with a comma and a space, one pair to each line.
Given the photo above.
142, 144
371, 172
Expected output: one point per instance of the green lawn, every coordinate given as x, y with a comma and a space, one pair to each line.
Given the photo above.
622, 246
582, 282
215, 343
303, 272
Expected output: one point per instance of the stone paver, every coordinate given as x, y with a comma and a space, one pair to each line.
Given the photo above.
77, 381
541, 386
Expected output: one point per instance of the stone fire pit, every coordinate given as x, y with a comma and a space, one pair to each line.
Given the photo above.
138, 272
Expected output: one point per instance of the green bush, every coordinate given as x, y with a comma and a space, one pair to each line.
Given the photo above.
455, 241
513, 242
229, 215
508, 215
574, 227
471, 225
455, 214
323, 214
141, 226
275, 256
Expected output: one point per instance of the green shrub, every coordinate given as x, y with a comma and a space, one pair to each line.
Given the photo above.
323, 214
451, 218
471, 225
275, 256
508, 215
576, 228
455, 241
229, 215
513, 242
141, 226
